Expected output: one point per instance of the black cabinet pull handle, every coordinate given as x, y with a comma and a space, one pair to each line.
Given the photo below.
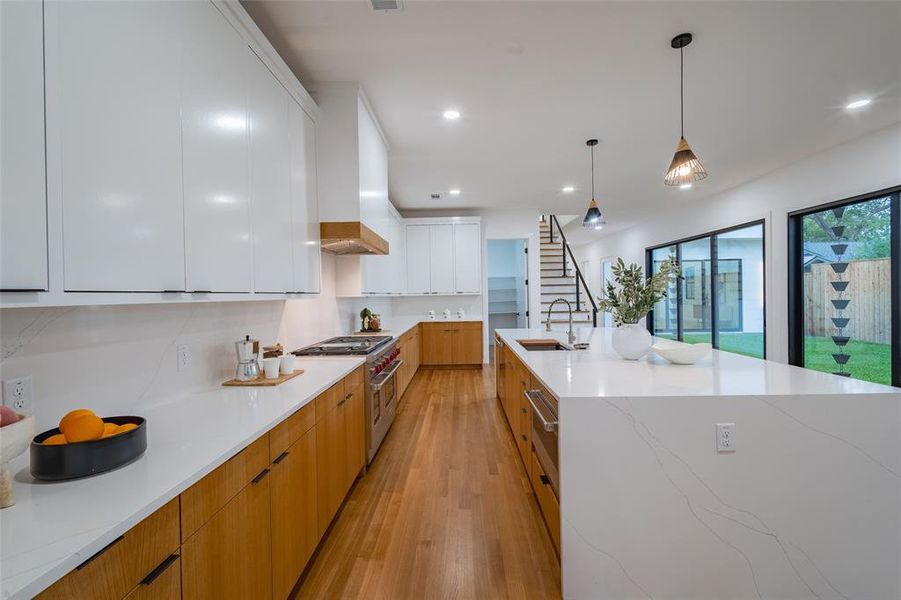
281, 457
523, 436
260, 477
99, 552
159, 570
544, 479
348, 397
201, 291
523, 409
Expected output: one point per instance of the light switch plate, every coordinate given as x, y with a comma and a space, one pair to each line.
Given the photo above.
725, 437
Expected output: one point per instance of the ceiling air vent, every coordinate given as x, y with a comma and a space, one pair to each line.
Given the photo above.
387, 4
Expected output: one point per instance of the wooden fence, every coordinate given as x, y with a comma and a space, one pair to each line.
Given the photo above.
869, 290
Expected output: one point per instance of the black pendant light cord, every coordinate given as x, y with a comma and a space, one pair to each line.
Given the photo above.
681, 94
592, 172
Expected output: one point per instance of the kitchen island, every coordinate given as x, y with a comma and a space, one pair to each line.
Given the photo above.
807, 504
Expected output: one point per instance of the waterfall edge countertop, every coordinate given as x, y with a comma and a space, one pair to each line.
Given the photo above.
599, 372
54, 527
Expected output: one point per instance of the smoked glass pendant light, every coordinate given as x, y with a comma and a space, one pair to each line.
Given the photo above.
594, 218
686, 167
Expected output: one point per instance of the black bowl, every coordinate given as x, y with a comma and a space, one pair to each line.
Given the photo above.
80, 459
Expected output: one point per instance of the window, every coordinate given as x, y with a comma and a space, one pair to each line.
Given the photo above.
719, 297
844, 307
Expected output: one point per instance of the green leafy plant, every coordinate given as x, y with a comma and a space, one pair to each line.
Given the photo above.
636, 295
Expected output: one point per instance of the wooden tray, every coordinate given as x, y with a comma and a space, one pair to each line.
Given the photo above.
262, 381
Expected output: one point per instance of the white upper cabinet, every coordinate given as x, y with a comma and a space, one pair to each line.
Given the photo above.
467, 258
116, 86
215, 134
398, 255
270, 179
419, 273
304, 201
441, 258
23, 197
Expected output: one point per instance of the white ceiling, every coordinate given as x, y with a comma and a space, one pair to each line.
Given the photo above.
766, 84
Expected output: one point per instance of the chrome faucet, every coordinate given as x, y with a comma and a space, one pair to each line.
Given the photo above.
571, 336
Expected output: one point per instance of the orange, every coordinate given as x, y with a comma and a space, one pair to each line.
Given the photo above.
109, 429
83, 428
78, 412
55, 440
125, 427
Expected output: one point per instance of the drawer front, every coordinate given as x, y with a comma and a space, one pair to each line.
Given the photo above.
118, 568
550, 507
329, 400
291, 429
203, 499
468, 325
163, 583
354, 380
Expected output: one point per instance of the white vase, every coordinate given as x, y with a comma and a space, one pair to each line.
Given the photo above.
631, 341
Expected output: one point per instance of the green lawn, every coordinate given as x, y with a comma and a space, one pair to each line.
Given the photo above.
869, 361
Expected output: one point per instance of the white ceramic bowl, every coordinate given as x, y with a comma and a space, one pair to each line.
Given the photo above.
680, 353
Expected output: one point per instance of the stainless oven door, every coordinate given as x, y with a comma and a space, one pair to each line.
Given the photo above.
545, 424
382, 392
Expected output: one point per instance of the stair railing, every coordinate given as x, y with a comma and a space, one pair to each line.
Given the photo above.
580, 279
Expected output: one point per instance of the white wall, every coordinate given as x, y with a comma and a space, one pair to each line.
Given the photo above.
117, 359
864, 165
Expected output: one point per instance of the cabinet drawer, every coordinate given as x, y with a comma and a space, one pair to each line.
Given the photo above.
203, 499
291, 429
354, 380
467, 325
550, 507
329, 400
113, 571
163, 583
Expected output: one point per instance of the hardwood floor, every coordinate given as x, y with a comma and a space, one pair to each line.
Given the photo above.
445, 511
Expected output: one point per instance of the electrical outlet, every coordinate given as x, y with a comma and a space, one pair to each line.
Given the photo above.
725, 437
18, 394
183, 355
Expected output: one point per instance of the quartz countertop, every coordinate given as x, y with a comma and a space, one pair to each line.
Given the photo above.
54, 527
600, 372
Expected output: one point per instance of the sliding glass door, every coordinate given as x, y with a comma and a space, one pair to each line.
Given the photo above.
719, 297
845, 314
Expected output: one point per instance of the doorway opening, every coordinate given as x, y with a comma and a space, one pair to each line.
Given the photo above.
508, 286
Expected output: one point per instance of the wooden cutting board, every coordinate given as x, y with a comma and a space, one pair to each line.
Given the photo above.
262, 381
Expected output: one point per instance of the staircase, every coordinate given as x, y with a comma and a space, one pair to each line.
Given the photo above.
558, 280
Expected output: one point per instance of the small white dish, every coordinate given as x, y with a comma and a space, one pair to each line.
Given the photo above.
680, 353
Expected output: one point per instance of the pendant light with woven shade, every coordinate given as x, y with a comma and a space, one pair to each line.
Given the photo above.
594, 218
686, 167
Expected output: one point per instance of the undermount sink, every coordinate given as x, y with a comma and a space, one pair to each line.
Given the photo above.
543, 345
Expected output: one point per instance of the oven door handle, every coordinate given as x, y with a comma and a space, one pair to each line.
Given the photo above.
545, 414
386, 376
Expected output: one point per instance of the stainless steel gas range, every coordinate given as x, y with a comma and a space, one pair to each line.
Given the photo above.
382, 362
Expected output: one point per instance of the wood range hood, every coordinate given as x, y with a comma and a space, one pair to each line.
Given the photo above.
351, 237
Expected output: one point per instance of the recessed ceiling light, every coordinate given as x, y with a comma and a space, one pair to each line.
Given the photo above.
858, 103
454, 192
567, 189
452, 115
685, 186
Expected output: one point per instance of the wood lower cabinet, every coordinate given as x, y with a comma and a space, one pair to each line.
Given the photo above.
518, 411
340, 443
248, 529
452, 343
229, 557
114, 571
355, 423
295, 520
409, 345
